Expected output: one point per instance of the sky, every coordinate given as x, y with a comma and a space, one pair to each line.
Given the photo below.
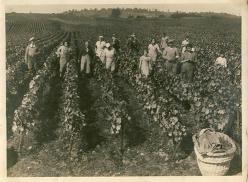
57, 8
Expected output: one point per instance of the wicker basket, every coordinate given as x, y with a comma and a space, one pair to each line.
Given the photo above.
215, 164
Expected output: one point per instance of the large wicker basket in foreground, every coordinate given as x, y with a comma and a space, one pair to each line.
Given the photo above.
215, 164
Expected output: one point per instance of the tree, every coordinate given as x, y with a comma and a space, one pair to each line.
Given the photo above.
116, 13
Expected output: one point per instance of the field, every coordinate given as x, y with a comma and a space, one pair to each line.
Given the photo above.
121, 124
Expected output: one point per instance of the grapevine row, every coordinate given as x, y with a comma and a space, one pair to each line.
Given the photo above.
161, 110
17, 81
72, 118
26, 116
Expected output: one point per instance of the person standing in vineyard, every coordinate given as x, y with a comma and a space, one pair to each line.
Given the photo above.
100, 45
153, 50
145, 64
188, 63
116, 46
31, 54
133, 45
85, 58
164, 40
110, 56
170, 55
115, 43
185, 42
63, 52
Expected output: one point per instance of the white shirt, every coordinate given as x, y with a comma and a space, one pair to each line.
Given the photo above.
109, 54
63, 51
152, 49
184, 44
32, 45
221, 61
99, 47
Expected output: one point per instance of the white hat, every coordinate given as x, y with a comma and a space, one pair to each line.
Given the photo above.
31, 39
133, 35
170, 40
100, 36
108, 45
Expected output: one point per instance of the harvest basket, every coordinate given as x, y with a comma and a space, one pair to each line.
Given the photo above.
215, 164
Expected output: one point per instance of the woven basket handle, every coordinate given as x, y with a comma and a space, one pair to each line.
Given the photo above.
195, 141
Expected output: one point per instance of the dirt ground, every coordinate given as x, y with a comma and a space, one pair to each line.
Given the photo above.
136, 162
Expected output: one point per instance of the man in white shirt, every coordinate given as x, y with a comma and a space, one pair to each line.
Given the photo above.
170, 55
31, 55
100, 45
221, 61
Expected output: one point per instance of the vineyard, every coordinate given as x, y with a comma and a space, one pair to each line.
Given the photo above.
117, 124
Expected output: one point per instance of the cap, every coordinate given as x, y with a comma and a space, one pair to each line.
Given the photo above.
170, 40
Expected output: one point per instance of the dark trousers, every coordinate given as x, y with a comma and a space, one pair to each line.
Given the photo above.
32, 64
171, 66
187, 71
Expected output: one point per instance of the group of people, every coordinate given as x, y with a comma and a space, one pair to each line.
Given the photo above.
177, 60
107, 52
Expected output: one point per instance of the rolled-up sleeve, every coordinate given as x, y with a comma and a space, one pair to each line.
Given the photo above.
26, 54
177, 53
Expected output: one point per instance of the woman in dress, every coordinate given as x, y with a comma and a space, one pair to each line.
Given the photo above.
145, 64
64, 52
110, 54
153, 50
99, 49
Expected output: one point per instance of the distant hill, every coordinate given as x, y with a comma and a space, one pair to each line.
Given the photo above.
136, 13
90, 15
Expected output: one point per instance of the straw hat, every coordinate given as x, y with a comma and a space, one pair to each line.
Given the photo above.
133, 35
31, 39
